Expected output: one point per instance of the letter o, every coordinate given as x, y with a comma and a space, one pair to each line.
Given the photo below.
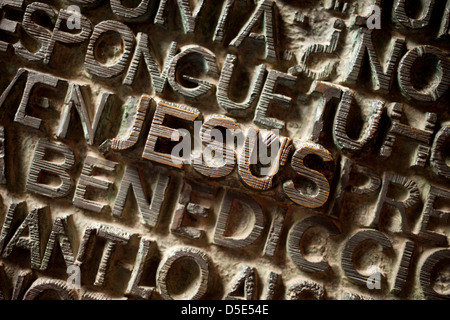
44, 284
436, 91
104, 70
199, 257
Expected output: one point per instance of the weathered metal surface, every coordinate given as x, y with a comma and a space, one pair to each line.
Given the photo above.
95, 96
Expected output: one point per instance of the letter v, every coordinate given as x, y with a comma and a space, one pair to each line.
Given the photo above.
75, 98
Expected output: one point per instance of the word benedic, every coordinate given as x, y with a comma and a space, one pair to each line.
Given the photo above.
134, 179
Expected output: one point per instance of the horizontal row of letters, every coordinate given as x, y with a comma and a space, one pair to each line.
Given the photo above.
198, 57
112, 239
